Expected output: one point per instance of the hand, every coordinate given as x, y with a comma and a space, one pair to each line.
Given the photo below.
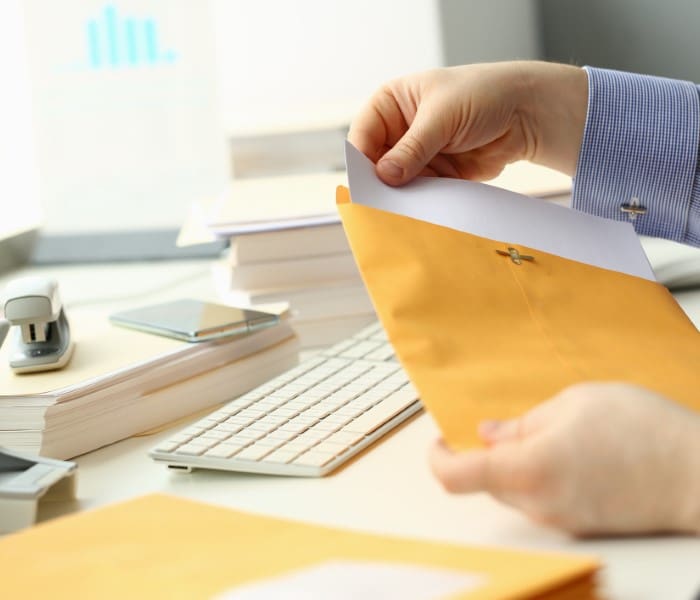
598, 458
469, 122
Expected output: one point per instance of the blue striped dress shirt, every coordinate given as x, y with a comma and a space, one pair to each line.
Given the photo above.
640, 147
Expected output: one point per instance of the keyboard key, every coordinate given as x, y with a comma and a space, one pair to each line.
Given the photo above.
282, 455
224, 450
328, 427
376, 416
345, 438
361, 349
314, 459
215, 435
193, 448
254, 452
228, 427
282, 436
333, 448
248, 433
167, 446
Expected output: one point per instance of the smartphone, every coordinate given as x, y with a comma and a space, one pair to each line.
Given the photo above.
194, 320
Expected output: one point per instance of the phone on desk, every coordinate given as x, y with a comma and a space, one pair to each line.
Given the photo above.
194, 320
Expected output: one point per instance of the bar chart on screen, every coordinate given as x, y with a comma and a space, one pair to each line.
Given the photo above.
115, 39
124, 112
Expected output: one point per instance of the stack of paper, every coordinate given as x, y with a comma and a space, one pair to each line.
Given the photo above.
164, 547
287, 246
121, 382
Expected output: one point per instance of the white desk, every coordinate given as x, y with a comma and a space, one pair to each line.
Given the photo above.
387, 489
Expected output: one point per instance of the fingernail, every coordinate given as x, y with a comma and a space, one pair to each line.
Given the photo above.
489, 429
389, 168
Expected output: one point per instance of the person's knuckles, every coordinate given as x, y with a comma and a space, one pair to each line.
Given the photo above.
410, 153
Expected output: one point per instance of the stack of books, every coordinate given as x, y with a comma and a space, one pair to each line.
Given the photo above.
310, 268
121, 383
288, 246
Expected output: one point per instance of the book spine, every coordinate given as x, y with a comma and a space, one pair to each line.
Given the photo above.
305, 242
294, 273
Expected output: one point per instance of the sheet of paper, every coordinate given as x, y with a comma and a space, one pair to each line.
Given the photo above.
349, 580
498, 214
534, 180
268, 203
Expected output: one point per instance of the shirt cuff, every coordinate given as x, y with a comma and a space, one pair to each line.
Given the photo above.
641, 142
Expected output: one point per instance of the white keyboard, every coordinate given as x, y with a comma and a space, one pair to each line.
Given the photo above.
307, 421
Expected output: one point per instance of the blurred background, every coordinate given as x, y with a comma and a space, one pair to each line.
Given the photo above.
117, 115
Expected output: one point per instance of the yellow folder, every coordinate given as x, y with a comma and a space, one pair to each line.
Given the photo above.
484, 336
163, 547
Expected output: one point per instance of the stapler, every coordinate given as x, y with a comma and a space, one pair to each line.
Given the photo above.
4, 328
25, 480
42, 340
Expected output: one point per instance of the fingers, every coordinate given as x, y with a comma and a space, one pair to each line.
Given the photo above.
401, 135
494, 432
416, 149
496, 470
378, 126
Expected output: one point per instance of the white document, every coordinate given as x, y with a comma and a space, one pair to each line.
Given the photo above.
350, 580
497, 214
273, 203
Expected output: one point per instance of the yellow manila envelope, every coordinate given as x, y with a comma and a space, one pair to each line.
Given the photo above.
161, 546
488, 326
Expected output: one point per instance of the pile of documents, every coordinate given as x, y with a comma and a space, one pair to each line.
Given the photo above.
121, 382
287, 246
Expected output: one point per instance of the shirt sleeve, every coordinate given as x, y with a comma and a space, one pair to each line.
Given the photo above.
640, 150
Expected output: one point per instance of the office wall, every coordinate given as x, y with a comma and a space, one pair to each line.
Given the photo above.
660, 37
489, 30
313, 63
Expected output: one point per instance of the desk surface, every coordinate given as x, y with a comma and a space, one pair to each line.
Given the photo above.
387, 489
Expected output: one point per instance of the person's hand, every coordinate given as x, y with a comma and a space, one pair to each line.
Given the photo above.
598, 458
469, 122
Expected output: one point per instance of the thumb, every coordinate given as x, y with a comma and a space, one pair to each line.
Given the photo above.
416, 148
497, 470
519, 428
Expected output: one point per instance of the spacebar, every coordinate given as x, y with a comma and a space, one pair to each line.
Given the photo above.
376, 416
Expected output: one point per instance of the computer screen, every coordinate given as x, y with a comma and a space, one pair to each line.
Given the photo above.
19, 191
123, 112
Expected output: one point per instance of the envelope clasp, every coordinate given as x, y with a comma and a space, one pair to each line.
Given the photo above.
515, 256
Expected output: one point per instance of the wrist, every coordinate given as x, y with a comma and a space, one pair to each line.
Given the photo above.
558, 106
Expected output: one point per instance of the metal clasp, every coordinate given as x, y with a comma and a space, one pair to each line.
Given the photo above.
515, 256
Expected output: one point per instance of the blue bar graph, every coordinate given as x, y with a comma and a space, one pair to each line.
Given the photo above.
93, 36
115, 42
132, 45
